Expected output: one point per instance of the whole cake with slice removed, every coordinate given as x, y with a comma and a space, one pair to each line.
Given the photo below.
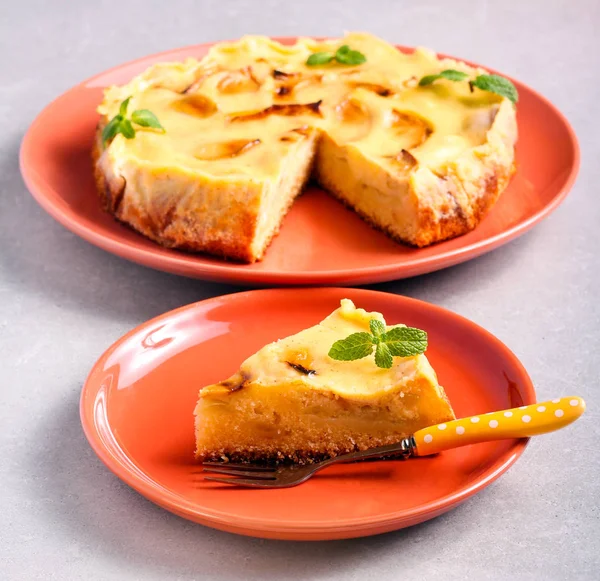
321, 393
209, 155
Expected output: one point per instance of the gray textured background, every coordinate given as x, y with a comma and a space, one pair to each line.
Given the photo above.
62, 302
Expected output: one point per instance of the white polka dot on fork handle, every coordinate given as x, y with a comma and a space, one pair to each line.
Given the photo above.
508, 414
460, 430
541, 408
475, 420
442, 427
493, 423
526, 419
559, 413
556, 400
428, 438
574, 402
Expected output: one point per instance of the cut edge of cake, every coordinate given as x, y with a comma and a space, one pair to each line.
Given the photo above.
242, 233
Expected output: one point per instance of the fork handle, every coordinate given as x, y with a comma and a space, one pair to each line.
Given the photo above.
521, 422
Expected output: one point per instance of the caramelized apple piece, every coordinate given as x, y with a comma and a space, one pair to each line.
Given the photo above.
226, 149
203, 74
480, 122
242, 81
296, 134
381, 90
300, 360
286, 83
410, 83
411, 126
355, 117
404, 161
351, 110
289, 110
196, 104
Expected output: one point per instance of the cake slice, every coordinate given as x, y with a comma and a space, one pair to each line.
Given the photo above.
290, 401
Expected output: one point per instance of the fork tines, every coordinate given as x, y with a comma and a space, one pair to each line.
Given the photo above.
251, 472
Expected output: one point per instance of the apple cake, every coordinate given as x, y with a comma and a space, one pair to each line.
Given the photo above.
243, 129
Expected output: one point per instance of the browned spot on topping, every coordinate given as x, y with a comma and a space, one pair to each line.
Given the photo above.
236, 382
288, 82
195, 104
282, 75
237, 387
410, 125
242, 81
301, 369
288, 110
379, 89
225, 149
304, 130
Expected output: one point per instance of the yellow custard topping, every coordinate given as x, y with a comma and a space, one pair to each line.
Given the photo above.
232, 117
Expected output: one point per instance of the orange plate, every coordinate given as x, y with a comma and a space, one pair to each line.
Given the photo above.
137, 406
321, 242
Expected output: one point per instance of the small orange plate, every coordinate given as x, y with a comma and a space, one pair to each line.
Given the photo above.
137, 413
321, 242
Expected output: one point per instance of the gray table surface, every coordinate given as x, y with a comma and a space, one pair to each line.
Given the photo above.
64, 516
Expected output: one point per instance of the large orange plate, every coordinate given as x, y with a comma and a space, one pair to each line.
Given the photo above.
321, 242
137, 405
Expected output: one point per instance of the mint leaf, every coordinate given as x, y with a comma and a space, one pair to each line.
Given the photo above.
405, 341
453, 75
146, 118
383, 356
120, 124
397, 342
449, 74
343, 55
346, 56
377, 329
123, 107
126, 129
496, 84
319, 58
428, 79
111, 129
355, 346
